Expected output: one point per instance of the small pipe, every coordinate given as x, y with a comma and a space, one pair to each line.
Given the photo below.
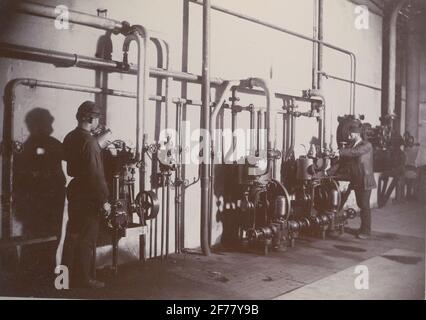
156, 238
167, 215
315, 45
252, 129
262, 83
163, 208
233, 128
150, 238
260, 123
140, 34
178, 174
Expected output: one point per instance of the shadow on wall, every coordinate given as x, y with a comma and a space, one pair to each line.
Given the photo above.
39, 189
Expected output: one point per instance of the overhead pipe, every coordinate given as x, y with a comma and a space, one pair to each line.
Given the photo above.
205, 97
64, 59
390, 110
352, 55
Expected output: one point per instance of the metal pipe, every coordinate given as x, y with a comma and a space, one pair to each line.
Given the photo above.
252, 129
413, 79
295, 34
262, 83
315, 45
205, 94
163, 208
390, 111
63, 59
140, 34
361, 84
260, 122
179, 179
66, 60
85, 19
167, 215
8, 158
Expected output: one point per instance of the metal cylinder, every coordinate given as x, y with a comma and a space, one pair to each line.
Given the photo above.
116, 187
334, 199
302, 172
280, 207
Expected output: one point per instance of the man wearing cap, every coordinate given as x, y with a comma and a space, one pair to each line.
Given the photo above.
360, 157
87, 195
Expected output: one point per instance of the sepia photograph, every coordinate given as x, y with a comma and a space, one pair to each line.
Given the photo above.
213, 154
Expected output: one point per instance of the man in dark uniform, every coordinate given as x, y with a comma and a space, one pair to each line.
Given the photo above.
360, 158
87, 195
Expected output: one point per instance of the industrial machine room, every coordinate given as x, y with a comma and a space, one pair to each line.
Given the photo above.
213, 150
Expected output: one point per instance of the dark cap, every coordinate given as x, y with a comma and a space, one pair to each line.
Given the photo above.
88, 109
355, 129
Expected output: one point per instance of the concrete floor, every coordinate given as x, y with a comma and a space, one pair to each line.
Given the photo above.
313, 269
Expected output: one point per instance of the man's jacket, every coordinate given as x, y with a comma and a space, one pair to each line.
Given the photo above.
85, 165
360, 160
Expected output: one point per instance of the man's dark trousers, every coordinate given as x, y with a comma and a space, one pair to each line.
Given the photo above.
363, 201
80, 242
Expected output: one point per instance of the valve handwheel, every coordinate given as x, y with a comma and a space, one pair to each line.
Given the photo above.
148, 204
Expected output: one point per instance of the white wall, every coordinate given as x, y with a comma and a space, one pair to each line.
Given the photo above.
239, 49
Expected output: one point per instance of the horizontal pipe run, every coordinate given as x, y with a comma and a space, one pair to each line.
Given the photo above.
326, 75
298, 35
34, 83
284, 96
64, 59
274, 27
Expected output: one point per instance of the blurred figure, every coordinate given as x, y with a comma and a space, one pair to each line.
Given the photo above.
39, 192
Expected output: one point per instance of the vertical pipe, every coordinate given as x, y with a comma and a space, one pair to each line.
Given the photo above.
178, 189
322, 121
252, 129
315, 74
167, 214
8, 158
184, 91
260, 123
392, 57
205, 96
413, 80
156, 237
293, 131
150, 237
287, 131
233, 128
163, 211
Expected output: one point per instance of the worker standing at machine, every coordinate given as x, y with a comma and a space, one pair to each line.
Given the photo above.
87, 195
359, 155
